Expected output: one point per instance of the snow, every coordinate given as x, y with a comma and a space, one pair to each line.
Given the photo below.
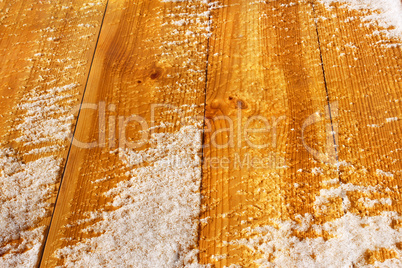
30, 155
24, 190
26, 187
351, 237
155, 223
341, 192
372, 202
46, 119
391, 119
317, 171
383, 173
386, 13
155, 217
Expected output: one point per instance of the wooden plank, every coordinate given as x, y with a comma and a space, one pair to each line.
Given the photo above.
45, 50
265, 60
363, 73
149, 53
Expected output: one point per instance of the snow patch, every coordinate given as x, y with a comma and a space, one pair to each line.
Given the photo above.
155, 222
24, 190
351, 237
386, 13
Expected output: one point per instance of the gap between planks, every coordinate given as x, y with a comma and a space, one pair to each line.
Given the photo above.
72, 136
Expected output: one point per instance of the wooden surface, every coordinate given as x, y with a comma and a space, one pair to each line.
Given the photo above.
264, 64
138, 63
327, 90
43, 46
363, 74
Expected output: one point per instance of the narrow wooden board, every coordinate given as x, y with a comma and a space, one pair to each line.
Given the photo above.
146, 55
364, 79
264, 64
43, 46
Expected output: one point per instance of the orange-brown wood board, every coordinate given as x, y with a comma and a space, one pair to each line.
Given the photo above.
197, 133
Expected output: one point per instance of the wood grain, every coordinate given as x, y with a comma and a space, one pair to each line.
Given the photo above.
264, 65
291, 94
42, 46
363, 73
143, 58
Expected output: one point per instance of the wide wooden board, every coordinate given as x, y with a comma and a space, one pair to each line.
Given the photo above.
264, 72
148, 65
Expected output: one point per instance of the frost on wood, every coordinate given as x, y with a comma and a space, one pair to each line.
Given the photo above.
155, 222
45, 118
386, 13
51, 65
347, 238
156, 207
24, 190
352, 237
